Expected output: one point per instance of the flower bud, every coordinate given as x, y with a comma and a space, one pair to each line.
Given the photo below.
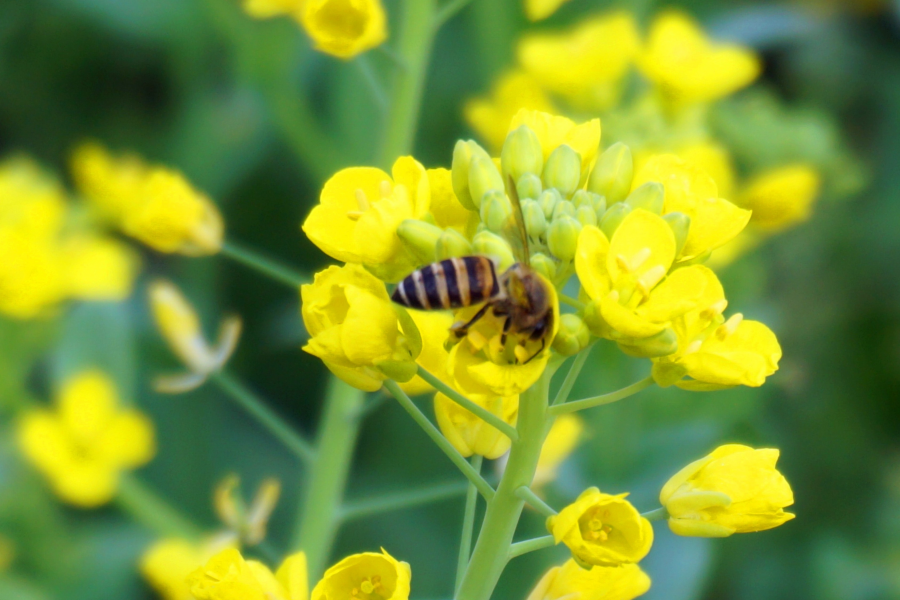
529, 186
648, 196
495, 210
563, 170
613, 217
586, 215
573, 335
521, 153
662, 344
613, 173
483, 178
563, 208
420, 238
492, 245
548, 200
544, 265
459, 173
535, 221
581, 197
599, 203
563, 237
452, 243
681, 225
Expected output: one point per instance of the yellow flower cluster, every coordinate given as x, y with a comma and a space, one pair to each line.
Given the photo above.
570, 580
87, 440
48, 252
153, 204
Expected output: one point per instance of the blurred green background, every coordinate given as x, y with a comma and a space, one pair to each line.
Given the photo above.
195, 84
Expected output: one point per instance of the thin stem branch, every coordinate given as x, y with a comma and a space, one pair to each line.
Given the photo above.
526, 546
527, 494
585, 403
659, 514
468, 526
145, 506
480, 412
267, 266
365, 507
571, 301
265, 416
571, 377
368, 73
448, 11
437, 437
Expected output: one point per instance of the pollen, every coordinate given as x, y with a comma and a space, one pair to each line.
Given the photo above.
384, 189
729, 326
648, 280
521, 354
714, 309
636, 261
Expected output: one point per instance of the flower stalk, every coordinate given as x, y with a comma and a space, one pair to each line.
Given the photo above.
465, 541
625, 392
266, 266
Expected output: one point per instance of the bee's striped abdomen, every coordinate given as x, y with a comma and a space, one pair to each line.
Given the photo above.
450, 283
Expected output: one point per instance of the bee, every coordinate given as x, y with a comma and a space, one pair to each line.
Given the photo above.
519, 294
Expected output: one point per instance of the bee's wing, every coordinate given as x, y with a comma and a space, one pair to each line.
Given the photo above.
514, 230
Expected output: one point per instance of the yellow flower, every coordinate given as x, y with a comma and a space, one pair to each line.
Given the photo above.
112, 184
537, 10
166, 564
98, 268
266, 9
782, 197
468, 433
359, 211
570, 581
227, 576
553, 131
563, 438
447, 210
433, 327
491, 115
714, 352
586, 64
83, 444
32, 277
714, 159
365, 576
736, 489
603, 530
354, 328
344, 28
688, 67
691, 191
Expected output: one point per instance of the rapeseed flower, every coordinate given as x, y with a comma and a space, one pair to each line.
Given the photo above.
537, 10
562, 439
365, 576
602, 530
781, 197
344, 28
85, 442
571, 581
228, 576
735, 489
468, 433
168, 562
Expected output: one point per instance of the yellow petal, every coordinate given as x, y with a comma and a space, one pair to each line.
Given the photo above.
43, 439
678, 293
468, 433
626, 321
590, 262
644, 241
370, 331
87, 405
128, 440
86, 483
409, 173
446, 208
345, 28
99, 268
293, 576
434, 326
746, 357
537, 10
782, 197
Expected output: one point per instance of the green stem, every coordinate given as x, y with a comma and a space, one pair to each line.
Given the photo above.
480, 412
468, 526
266, 266
448, 11
365, 507
625, 392
520, 548
571, 301
145, 506
527, 494
503, 511
571, 377
414, 43
266, 417
659, 514
336, 441
365, 69
438, 438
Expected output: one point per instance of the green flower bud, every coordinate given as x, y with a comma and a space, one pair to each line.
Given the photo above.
420, 238
535, 221
563, 170
573, 335
548, 200
613, 217
494, 246
529, 186
496, 209
613, 173
562, 237
452, 243
483, 178
586, 215
581, 197
649, 196
599, 203
459, 173
521, 153
563, 208
662, 344
681, 225
544, 265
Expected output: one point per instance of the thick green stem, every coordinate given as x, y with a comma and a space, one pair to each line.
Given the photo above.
268, 267
625, 392
414, 47
147, 508
503, 511
336, 441
465, 539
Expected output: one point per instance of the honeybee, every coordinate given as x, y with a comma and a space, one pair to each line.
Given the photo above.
519, 294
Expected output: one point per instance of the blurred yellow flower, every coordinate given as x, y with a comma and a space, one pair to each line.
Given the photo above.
715, 160
355, 330
344, 28
603, 530
586, 64
97, 268
366, 576
468, 433
782, 197
166, 564
266, 9
563, 438
83, 444
537, 10
112, 184
553, 131
688, 67
736, 489
570, 581
227, 576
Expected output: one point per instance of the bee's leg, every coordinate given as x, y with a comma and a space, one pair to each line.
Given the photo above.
506, 325
461, 330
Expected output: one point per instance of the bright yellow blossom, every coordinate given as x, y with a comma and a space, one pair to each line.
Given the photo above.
781, 197
468, 433
603, 530
537, 10
563, 438
586, 64
355, 329
447, 210
266, 9
433, 327
570, 582
553, 131
736, 489
166, 564
715, 160
344, 28
83, 444
112, 184
97, 268
227, 576
688, 67
365, 576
